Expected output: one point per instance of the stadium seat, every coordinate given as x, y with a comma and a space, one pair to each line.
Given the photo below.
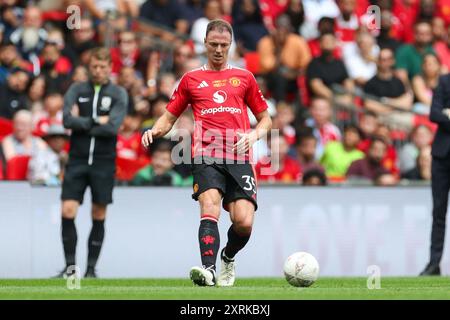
127, 168
252, 62
6, 127
17, 168
55, 15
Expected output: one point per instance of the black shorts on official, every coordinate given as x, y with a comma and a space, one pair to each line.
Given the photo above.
235, 181
99, 177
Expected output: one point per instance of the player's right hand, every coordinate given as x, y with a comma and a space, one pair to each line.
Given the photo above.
147, 137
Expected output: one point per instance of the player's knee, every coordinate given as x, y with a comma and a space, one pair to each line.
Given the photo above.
98, 212
69, 210
243, 227
210, 205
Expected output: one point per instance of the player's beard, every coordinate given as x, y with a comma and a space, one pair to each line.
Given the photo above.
30, 38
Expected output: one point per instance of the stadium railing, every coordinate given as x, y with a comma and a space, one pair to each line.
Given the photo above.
346, 113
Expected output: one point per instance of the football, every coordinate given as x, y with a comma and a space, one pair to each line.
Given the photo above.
301, 269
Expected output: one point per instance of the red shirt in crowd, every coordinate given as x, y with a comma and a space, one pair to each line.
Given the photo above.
407, 14
44, 124
361, 7
290, 171
443, 52
314, 47
346, 30
328, 132
289, 134
443, 10
130, 147
219, 101
118, 62
270, 10
61, 66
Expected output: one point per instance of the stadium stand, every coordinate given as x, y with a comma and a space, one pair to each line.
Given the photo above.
35, 38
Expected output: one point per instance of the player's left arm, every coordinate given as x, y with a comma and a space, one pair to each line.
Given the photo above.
108, 126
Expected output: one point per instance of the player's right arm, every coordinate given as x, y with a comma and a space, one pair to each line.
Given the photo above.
178, 103
71, 119
439, 113
162, 126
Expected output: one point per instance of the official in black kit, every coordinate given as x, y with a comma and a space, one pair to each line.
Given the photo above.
94, 111
440, 173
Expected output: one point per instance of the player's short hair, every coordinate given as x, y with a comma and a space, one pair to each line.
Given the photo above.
101, 53
219, 25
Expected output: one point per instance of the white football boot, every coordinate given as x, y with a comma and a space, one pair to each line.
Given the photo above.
227, 271
204, 277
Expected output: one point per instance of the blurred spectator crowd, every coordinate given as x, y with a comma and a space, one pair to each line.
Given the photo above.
349, 91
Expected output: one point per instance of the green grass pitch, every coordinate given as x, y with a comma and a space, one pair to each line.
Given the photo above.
244, 289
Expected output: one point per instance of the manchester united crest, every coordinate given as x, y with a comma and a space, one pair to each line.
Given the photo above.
235, 82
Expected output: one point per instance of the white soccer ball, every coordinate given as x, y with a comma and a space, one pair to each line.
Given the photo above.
301, 269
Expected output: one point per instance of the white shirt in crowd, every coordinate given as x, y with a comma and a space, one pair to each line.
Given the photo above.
314, 10
357, 66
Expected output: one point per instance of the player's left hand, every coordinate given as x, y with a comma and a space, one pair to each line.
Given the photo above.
246, 140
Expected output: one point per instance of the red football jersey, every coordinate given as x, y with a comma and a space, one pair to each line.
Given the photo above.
219, 100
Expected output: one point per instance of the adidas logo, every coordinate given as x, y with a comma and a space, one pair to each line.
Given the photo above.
202, 84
